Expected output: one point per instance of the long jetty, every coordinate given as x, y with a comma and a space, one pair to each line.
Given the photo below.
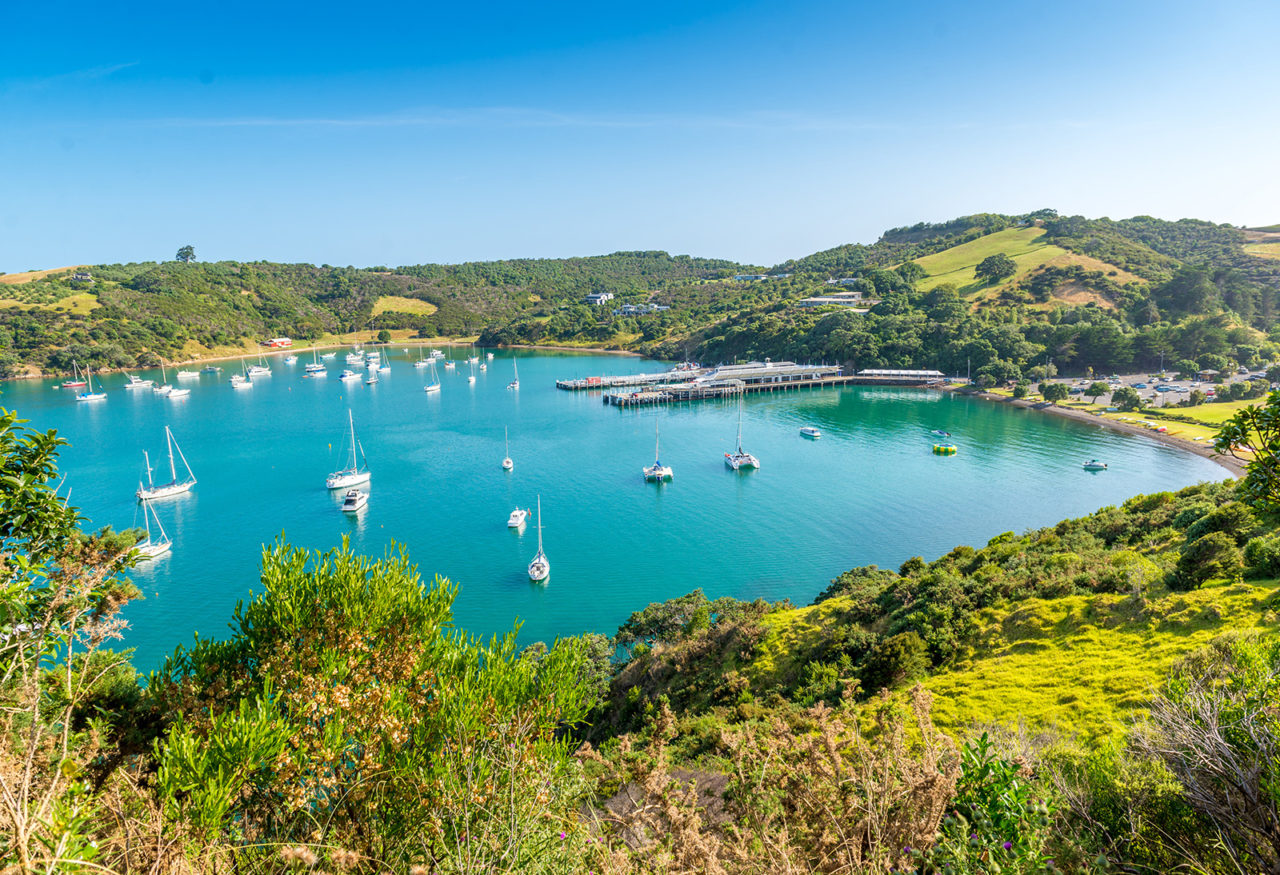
629, 380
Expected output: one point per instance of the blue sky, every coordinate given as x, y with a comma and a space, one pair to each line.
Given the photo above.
404, 133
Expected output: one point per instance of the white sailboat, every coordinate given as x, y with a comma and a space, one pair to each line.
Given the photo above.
384, 364
515, 383
148, 548
507, 464
540, 565
88, 394
260, 369
489, 356
471, 378
657, 472
164, 388
151, 491
740, 459
434, 385
352, 476
422, 361
315, 367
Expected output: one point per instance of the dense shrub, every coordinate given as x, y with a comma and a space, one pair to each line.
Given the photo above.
1213, 556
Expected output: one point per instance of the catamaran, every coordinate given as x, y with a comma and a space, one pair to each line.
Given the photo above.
740, 458
75, 382
151, 491
352, 476
515, 383
434, 385
540, 565
147, 548
88, 394
507, 464
657, 472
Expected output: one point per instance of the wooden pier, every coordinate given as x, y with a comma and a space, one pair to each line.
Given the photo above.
586, 383
676, 393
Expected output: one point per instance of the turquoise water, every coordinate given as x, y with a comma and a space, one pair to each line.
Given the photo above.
869, 491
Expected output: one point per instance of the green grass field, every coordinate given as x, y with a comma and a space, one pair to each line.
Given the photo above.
1264, 250
955, 265
398, 304
1087, 664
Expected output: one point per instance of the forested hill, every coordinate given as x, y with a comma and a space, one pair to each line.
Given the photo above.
1003, 294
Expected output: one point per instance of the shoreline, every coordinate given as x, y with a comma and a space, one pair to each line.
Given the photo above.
1233, 466
296, 350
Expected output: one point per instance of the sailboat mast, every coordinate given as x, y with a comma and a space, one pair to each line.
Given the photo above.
656, 452
739, 423
168, 436
539, 523
147, 459
354, 459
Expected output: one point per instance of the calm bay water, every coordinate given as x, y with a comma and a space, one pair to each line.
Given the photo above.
869, 491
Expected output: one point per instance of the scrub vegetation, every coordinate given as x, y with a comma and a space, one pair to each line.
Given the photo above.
1004, 297
1095, 696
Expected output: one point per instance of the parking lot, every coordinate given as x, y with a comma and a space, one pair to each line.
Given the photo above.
1159, 390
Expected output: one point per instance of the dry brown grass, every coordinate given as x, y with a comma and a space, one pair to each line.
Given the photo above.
13, 279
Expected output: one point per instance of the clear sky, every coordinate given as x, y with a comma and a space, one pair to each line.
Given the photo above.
384, 133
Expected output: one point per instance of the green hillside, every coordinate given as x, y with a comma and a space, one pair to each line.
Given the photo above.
1026, 246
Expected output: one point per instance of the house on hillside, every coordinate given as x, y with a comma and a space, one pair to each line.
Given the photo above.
598, 298
749, 277
82, 276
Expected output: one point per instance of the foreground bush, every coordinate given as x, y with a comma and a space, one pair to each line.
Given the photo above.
345, 715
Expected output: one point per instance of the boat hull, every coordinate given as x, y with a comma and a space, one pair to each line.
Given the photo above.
167, 491
148, 551
347, 479
739, 461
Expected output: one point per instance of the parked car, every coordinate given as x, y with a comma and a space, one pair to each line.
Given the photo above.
1139, 385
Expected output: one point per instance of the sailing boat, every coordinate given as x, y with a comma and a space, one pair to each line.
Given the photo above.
540, 565
422, 361
164, 388
151, 491
241, 380
507, 464
515, 384
315, 367
75, 382
657, 472
472, 377
434, 385
384, 364
149, 549
88, 394
260, 369
740, 459
351, 476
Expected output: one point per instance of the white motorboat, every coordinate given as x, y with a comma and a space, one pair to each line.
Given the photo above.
354, 358
88, 394
240, 382
450, 365
740, 458
132, 381
507, 464
291, 359
188, 375
353, 475
518, 518
483, 366
489, 356
178, 393
151, 491
437, 354
810, 431
539, 565
211, 369
354, 500
150, 548
515, 383
328, 355
373, 378
1095, 465
657, 472
348, 375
